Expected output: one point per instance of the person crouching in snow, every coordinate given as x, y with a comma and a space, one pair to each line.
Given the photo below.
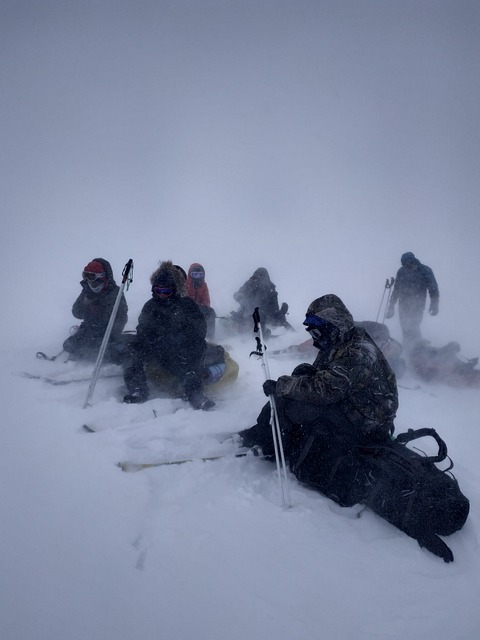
347, 397
94, 306
171, 334
336, 420
259, 291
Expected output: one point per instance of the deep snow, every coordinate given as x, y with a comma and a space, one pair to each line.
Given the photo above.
205, 549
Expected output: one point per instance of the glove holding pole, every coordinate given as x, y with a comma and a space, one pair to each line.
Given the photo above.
127, 278
269, 390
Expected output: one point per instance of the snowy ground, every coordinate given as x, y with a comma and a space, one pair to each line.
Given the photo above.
205, 549
318, 139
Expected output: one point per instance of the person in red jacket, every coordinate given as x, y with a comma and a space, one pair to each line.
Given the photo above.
197, 289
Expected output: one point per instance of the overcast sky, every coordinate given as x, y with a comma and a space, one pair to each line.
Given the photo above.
320, 139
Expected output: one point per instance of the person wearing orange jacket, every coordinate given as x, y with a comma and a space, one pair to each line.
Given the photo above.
197, 289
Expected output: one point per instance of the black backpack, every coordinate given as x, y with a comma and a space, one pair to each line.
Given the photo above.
402, 486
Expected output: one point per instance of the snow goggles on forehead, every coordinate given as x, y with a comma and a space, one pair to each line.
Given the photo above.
164, 292
91, 276
197, 275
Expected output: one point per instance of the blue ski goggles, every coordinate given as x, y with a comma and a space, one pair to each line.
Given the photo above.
316, 327
197, 275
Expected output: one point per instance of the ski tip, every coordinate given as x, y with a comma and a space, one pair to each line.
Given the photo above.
132, 467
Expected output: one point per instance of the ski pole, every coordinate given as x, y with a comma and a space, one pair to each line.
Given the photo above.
127, 278
388, 287
274, 421
390, 290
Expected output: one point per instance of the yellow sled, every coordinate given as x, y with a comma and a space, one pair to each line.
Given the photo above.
219, 370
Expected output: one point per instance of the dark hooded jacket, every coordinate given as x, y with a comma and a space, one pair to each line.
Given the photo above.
411, 284
259, 291
171, 327
95, 309
352, 373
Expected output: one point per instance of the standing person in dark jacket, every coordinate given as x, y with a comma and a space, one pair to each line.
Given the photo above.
94, 306
412, 283
346, 398
259, 291
170, 334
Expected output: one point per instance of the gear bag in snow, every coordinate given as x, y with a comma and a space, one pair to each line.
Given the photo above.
402, 486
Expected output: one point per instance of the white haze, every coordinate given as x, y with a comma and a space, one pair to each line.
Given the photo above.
318, 139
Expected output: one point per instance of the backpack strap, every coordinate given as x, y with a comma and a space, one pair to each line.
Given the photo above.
414, 434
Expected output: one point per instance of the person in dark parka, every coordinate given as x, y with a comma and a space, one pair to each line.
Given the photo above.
171, 334
348, 396
336, 420
412, 283
259, 291
94, 307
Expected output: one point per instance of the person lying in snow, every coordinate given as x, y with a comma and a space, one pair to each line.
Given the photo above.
94, 306
336, 420
443, 364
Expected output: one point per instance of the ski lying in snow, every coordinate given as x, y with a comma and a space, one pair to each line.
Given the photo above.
58, 381
88, 428
132, 467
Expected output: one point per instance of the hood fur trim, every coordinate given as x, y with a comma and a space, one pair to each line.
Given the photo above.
177, 275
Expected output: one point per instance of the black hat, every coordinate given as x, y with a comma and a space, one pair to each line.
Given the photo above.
407, 258
165, 279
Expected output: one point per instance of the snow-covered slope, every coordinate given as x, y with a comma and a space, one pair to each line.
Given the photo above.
205, 549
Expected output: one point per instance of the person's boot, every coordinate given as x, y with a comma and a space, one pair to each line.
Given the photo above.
200, 401
194, 393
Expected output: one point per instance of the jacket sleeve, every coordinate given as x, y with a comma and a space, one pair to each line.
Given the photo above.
432, 285
327, 386
194, 325
205, 295
146, 331
78, 308
121, 317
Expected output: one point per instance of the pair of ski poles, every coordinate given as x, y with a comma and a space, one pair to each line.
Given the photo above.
388, 287
274, 421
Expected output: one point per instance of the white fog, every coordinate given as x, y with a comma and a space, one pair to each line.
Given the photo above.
318, 139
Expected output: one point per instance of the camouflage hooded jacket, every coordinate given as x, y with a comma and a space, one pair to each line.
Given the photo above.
352, 373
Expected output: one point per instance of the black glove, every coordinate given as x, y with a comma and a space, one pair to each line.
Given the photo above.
433, 308
304, 369
390, 311
269, 387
